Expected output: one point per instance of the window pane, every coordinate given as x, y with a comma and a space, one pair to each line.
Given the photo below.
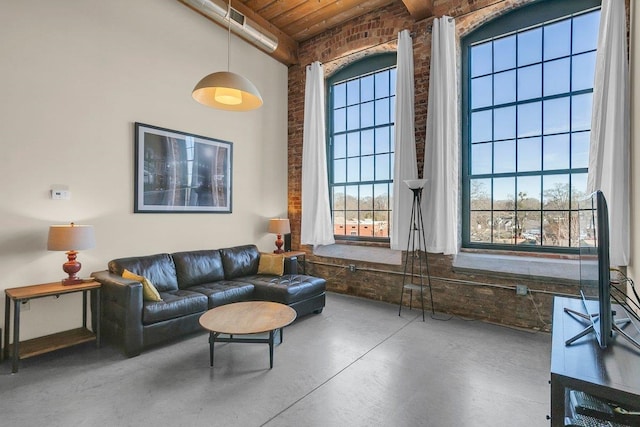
504, 123
585, 31
353, 144
353, 117
353, 92
366, 142
382, 84
504, 87
529, 82
382, 167
340, 120
504, 53
557, 40
481, 126
366, 115
481, 59
555, 191
557, 78
556, 115
556, 152
583, 72
529, 119
382, 111
392, 81
338, 198
581, 112
504, 156
480, 227
556, 229
382, 140
340, 170
340, 95
529, 228
503, 227
580, 149
480, 194
481, 158
504, 190
529, 47
351, 201
529, 154
529, 197
481, 92
578, 188
339, 146
366, 88
353, 169
367, 168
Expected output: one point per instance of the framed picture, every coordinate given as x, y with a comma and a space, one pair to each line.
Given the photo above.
179, 172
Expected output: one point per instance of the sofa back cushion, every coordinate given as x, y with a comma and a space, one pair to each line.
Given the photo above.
198, 267
159, 269
240, 261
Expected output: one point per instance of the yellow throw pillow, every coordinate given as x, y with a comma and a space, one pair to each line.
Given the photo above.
271, 264
149, 292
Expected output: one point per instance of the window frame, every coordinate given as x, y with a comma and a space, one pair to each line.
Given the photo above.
368, 65
520, 19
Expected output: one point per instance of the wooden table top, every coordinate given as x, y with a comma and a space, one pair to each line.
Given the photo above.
249, 317
47, 289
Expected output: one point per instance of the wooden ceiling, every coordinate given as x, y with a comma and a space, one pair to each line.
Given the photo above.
294, 21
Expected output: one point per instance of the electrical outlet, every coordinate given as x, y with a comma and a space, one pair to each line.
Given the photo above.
352, 268
522, 290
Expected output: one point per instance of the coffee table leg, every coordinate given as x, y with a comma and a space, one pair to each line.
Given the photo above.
271, 334
212, 339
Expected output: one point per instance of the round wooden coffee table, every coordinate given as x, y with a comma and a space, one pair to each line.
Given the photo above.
243, 318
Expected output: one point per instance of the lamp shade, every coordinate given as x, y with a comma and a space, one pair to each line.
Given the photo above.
227, 91
415, 184
279, 226
71, 237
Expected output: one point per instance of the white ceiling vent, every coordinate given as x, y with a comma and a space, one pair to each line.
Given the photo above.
240, 24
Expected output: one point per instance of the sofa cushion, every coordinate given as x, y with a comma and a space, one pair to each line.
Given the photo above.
174, 304
197, 267
149, 292
224, 292
159, 269
272, 264
240, 261
287, 289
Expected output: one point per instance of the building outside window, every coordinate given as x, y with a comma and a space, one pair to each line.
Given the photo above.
527, 92
361, 110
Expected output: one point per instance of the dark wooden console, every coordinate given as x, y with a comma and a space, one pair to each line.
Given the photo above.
611, 374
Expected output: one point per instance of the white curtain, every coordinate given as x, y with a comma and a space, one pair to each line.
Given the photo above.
405, 163
440, 198
316, 226
609, 149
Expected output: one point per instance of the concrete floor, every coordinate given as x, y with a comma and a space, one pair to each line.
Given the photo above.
356, 364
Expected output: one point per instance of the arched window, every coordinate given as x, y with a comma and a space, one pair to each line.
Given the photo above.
527, 89
360, 129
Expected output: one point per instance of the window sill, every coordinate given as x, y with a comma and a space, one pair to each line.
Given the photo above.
360, 253
543, 267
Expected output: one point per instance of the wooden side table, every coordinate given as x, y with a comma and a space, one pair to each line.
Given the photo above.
298, 259
40, 345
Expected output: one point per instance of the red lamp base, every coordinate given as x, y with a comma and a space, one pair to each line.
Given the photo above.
71, 267
279, 243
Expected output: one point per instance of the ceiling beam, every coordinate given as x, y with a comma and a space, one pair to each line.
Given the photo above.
419, 9
287, 50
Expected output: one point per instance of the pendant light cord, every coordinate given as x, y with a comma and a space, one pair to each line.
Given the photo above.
229, 37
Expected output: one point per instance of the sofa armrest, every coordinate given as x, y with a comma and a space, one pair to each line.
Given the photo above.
121, 311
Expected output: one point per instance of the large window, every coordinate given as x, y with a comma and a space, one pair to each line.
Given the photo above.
360, 148
527, 92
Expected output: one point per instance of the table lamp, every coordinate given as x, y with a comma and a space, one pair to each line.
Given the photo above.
279, 226
71, 238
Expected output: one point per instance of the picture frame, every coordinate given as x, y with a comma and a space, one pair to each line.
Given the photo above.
179, 172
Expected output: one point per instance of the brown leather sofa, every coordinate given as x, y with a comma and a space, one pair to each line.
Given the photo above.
190, 283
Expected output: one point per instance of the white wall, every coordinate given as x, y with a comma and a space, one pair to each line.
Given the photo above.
75, 77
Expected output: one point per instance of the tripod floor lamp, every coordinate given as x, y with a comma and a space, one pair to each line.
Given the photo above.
416, 264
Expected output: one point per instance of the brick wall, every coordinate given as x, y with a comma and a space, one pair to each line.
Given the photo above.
489, 297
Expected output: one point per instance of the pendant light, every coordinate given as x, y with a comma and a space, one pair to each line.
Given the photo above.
226, 90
